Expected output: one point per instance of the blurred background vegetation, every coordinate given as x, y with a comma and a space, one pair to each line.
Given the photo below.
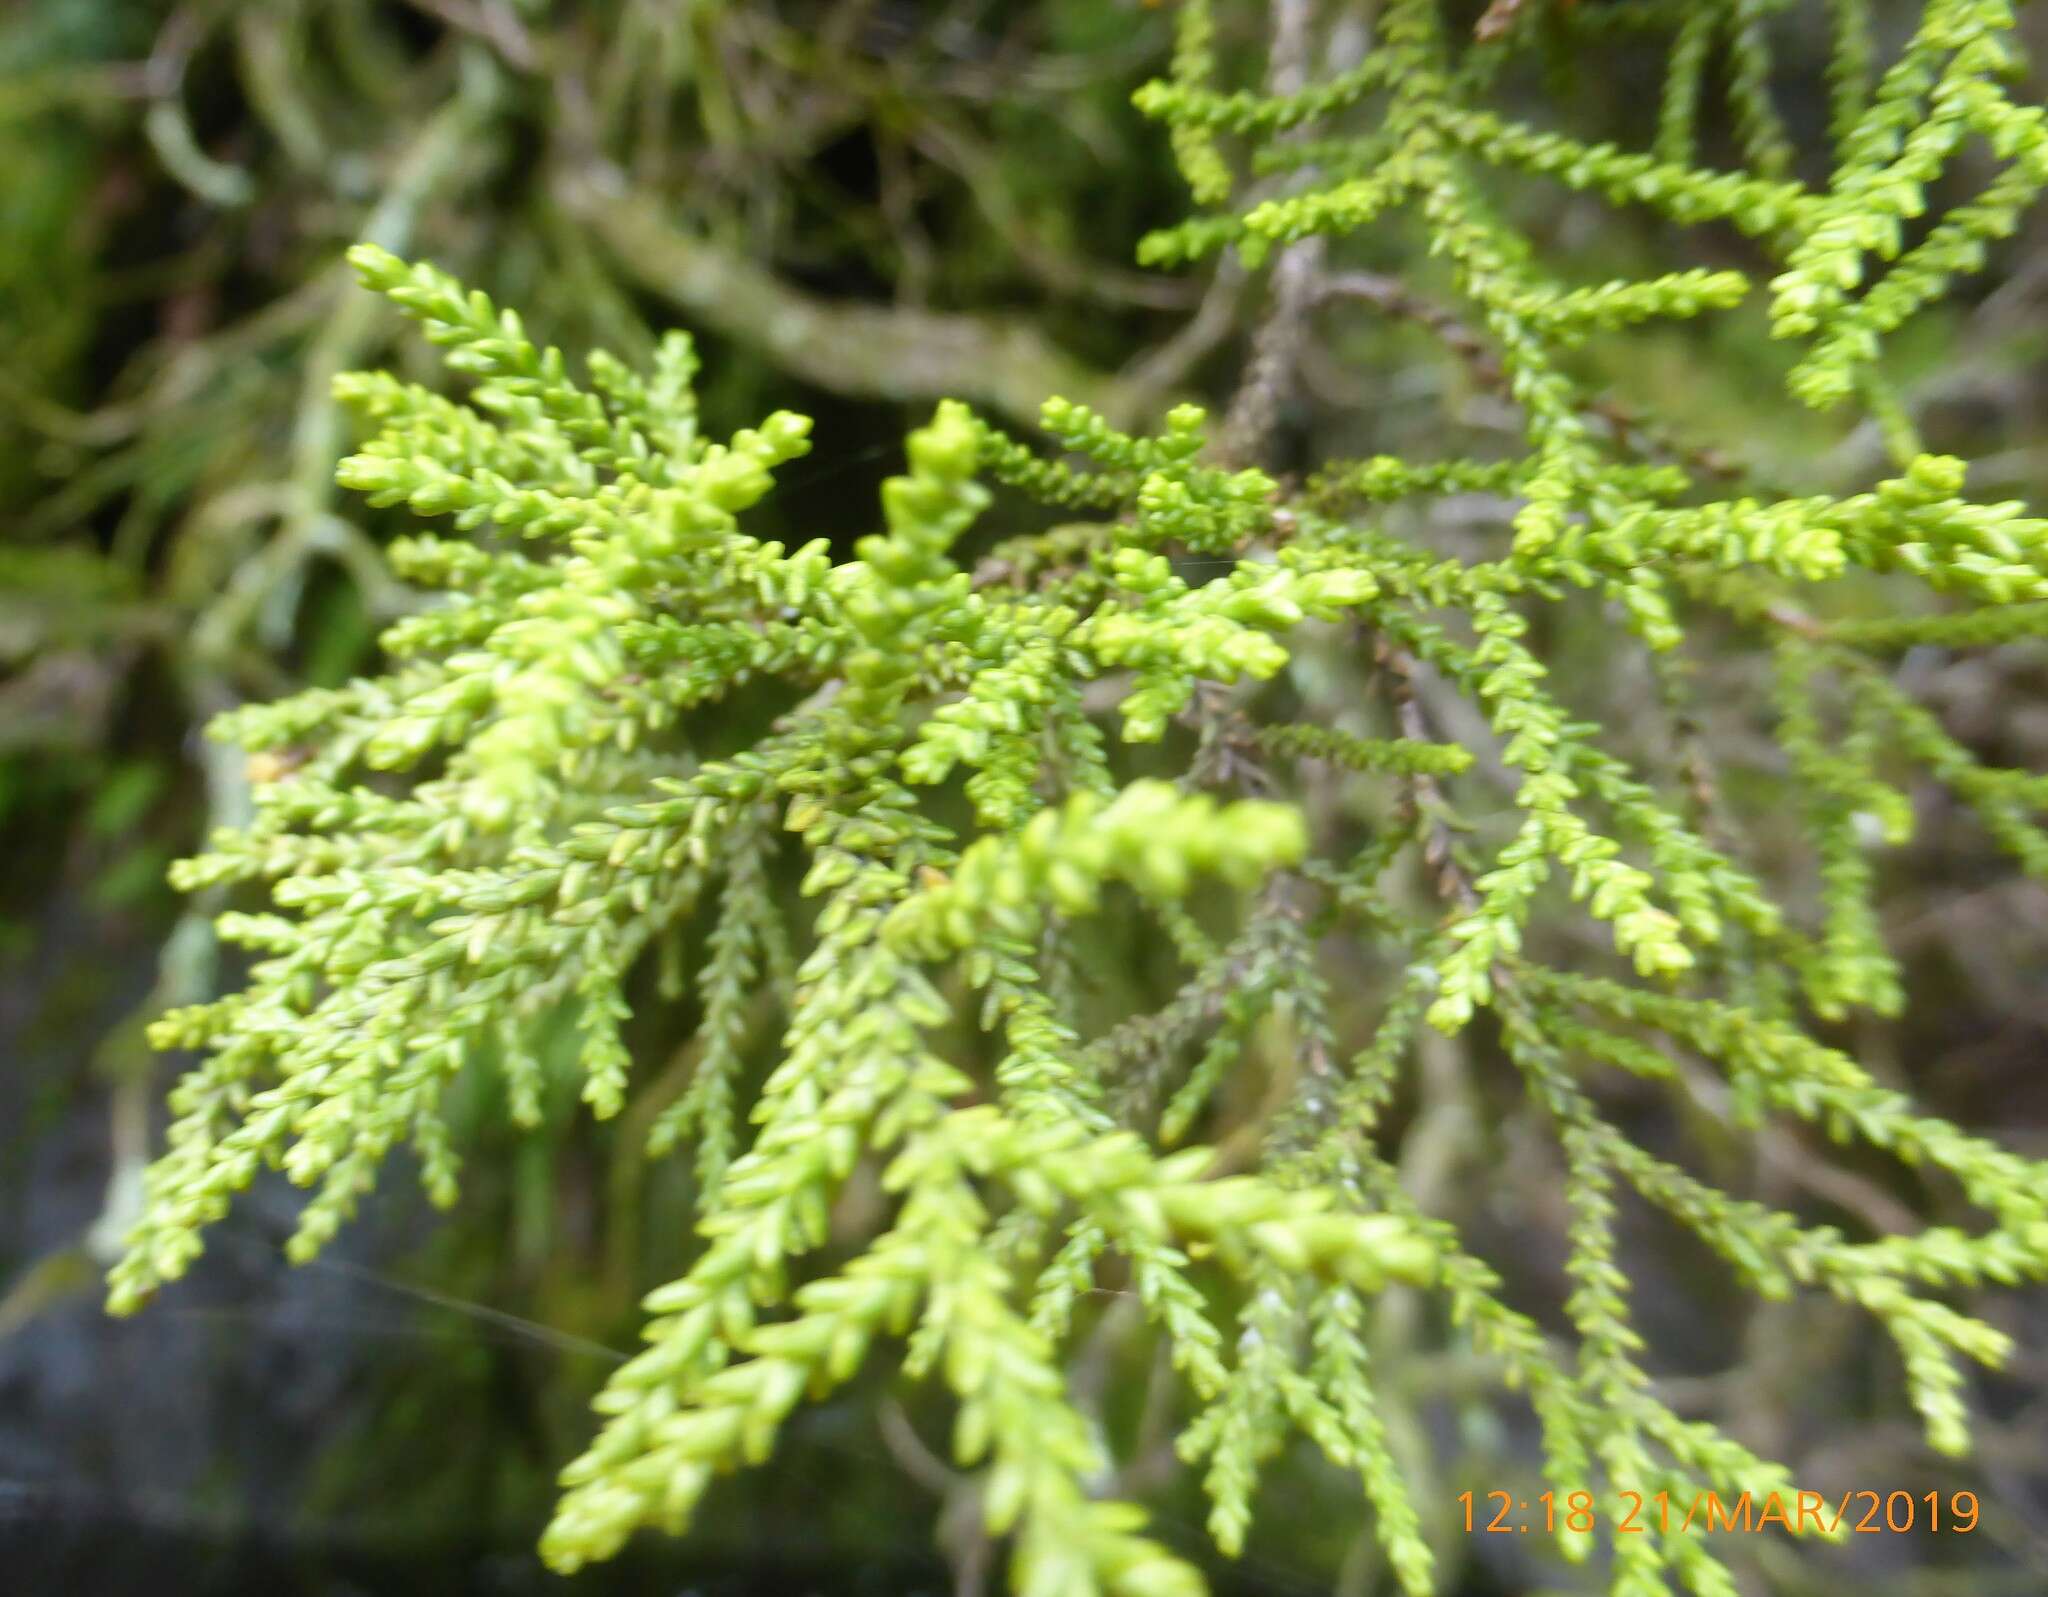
858, 206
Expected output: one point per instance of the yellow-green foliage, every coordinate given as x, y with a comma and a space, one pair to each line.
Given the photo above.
496, 827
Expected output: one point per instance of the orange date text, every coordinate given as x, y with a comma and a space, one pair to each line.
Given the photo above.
1859, 1511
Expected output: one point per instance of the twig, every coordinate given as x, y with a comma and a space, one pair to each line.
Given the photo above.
845, 347
1297, 275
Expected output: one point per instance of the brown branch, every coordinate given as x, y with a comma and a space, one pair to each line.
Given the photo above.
842, 346
1297, 275
1395, 298
1425, 795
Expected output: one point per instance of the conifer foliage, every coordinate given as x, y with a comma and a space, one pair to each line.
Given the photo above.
498, 828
